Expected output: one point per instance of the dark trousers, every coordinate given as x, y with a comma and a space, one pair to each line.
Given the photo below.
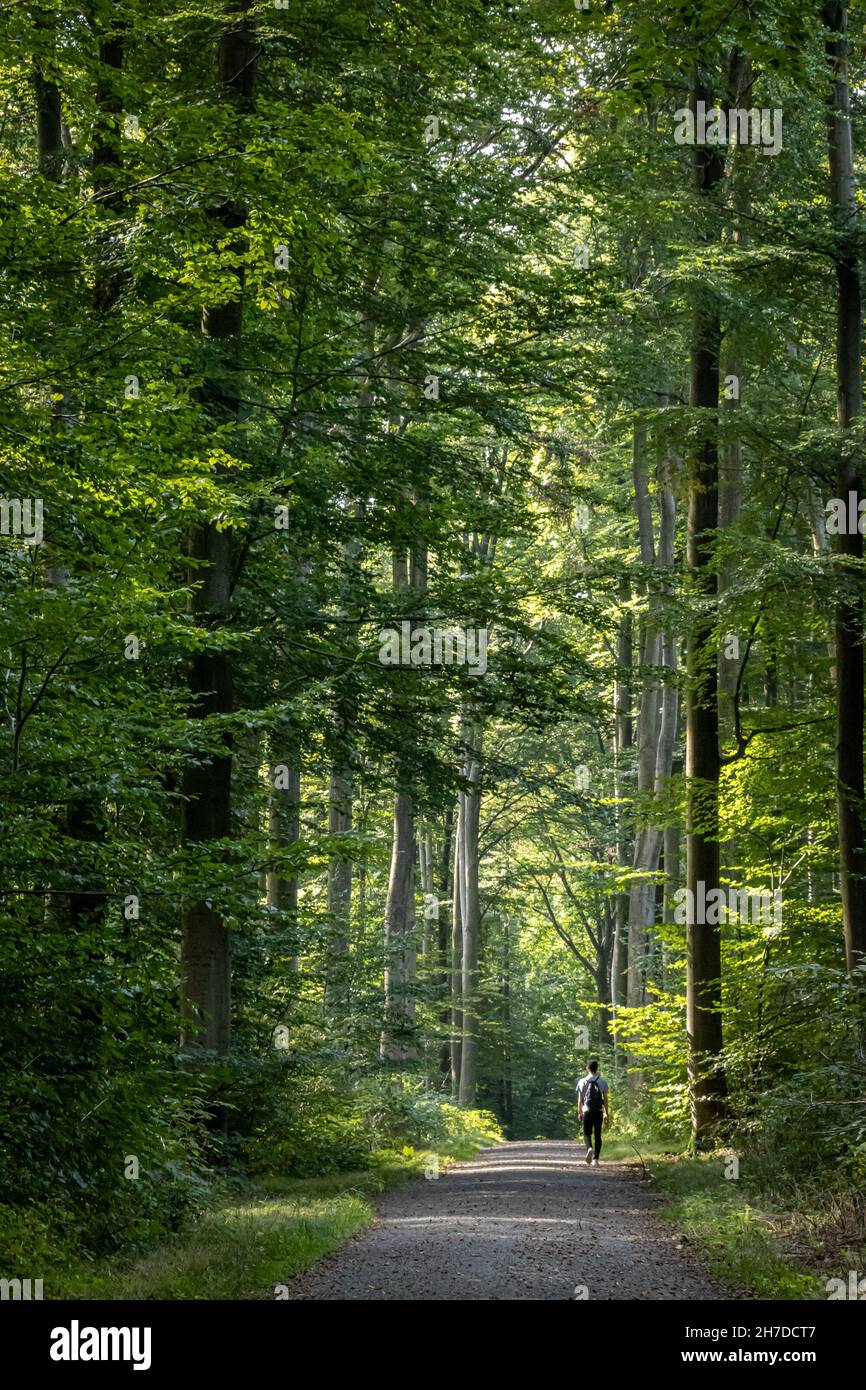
592, 1122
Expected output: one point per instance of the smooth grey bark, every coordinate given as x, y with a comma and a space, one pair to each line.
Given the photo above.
444, 933
649, 648
470, 814
398, 1036
482, 547
429, 975
506, 1097
731, 448
622, 700
341, 783
623, 733
430, 930
457, 959
672, 869
657, 719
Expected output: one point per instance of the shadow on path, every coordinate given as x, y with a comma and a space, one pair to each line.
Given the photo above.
520, 1221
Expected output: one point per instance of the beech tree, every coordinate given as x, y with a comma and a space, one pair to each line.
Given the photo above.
427, 568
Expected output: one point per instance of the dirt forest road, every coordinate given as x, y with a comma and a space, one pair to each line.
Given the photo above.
521, 1221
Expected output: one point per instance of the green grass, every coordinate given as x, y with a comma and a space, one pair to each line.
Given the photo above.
736, 1238
251, 1242
622, 1148
246, 1245
237, 1252
390, 1170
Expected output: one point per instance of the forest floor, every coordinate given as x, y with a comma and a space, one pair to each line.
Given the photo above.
521, 1221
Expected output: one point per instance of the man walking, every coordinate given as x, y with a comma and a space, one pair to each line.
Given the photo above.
592, 1091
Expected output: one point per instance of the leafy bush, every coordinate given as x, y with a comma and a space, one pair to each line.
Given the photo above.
33, 1241
309, 1123
401, 1108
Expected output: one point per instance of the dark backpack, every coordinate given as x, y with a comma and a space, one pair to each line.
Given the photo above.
592, 1097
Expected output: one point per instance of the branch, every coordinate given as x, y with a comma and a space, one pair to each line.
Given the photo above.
561, 932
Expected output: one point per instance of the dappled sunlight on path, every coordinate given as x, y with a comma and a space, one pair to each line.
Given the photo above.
522, 1221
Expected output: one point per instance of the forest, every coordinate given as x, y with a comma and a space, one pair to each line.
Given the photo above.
431, 550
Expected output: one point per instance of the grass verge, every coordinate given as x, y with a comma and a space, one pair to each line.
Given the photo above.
623, 1149
738, 1241
248, 1242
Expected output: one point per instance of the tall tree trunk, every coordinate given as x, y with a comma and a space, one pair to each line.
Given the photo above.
206, 946
284, 830
672, 879
704, 968
206, 951
430, 930
82, 819
49, 126
470, 815
444, 985
849, 478
506, 1103
106, 156
622, 743
341, 794
341, 784
606, 929
731, 452
457, 957
398, 1038
657, 721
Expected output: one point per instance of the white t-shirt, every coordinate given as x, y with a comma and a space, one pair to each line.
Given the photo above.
584, 1082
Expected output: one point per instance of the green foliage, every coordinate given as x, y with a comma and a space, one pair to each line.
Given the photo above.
735, 1238
238, 1251
379, 255
319, 1124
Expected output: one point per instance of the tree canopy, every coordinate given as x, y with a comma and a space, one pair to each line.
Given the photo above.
432, 570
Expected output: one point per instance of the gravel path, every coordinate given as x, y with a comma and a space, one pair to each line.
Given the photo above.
520, 1221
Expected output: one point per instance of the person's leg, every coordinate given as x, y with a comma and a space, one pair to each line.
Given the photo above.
587, 1134
597, 1119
